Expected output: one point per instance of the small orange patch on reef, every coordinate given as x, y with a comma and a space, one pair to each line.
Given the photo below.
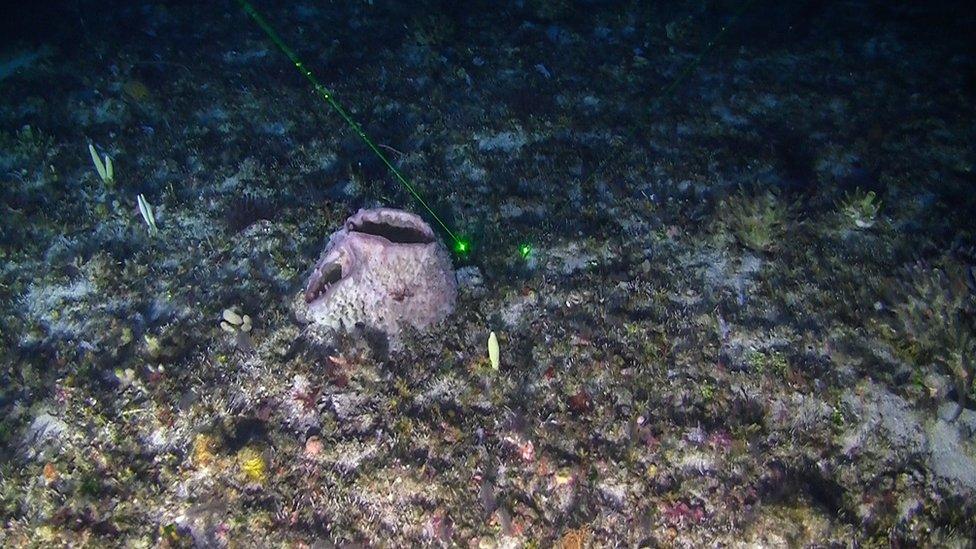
203, 450
50, 473
573, 539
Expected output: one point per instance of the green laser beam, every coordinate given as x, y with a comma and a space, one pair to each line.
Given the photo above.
686, 71
691, 66
461, 246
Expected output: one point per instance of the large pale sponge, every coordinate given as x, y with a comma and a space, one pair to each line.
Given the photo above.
385, 269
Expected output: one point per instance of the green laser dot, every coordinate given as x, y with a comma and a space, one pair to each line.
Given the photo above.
524, 250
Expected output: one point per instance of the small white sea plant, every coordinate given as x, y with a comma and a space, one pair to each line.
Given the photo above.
493, 351
146, 211
106, 172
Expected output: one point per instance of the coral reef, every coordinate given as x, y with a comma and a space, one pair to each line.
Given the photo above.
700, 348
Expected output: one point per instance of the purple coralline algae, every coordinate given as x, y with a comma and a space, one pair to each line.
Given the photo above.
385, 269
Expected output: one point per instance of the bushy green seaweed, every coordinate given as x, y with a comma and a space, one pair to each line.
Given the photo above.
772, 361
936, 312
861, 208
758, 222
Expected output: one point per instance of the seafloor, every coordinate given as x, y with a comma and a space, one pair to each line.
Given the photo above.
746, 317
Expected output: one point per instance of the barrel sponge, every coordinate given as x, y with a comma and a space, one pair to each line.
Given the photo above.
384, 269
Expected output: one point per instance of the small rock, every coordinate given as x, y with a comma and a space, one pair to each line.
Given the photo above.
43, 430
949, 459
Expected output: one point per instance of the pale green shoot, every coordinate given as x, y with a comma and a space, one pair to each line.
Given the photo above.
105, 169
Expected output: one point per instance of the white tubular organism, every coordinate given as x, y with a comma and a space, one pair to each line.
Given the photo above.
105, 169
147, 215
493, 351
